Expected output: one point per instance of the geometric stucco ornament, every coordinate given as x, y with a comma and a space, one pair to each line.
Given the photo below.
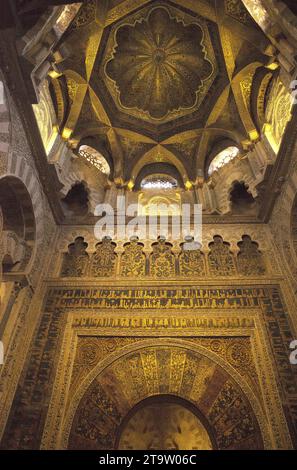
159, 64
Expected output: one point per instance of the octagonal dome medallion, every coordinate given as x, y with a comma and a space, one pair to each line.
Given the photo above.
161, 65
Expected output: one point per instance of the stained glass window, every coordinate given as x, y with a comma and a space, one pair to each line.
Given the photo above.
95, 158
159, 182
222, 159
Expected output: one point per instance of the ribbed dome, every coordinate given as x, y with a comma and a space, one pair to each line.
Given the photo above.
159, 64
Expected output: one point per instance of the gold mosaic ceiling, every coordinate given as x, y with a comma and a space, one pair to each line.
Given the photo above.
158, 81
157, 71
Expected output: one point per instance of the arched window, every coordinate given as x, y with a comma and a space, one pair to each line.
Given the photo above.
222, 158
159, 182
95, 158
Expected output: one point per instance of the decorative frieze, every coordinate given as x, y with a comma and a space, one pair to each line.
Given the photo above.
163, 261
